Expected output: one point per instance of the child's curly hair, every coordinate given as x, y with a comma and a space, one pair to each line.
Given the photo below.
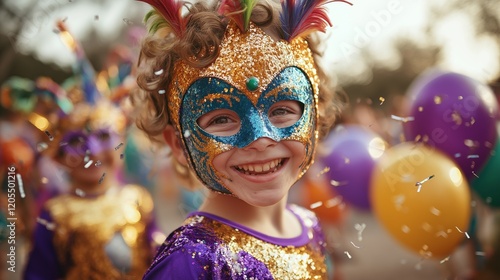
200, 47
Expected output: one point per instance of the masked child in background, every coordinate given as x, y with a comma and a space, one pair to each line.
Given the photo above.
102, 228
238, 98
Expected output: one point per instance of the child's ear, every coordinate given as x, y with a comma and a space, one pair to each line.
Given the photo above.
175, 144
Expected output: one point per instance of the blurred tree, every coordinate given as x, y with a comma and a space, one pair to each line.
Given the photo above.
386, 82
15, 18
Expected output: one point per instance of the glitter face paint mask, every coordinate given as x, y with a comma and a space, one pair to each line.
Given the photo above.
79, 143
251, 73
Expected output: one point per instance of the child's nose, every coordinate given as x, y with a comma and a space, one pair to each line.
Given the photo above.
260, 144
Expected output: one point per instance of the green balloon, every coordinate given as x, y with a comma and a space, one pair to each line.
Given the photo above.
487, 185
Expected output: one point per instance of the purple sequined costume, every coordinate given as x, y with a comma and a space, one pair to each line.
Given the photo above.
100, 237
210, 247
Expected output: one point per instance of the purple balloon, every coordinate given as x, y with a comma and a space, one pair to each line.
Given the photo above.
352, 151
455, 114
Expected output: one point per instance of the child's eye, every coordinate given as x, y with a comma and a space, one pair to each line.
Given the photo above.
285, 113
103, 136
222, 122
75, 141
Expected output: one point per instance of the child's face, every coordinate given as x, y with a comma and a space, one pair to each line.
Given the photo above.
261, 173
223, 127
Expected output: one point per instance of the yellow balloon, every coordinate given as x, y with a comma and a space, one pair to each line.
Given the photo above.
421, 198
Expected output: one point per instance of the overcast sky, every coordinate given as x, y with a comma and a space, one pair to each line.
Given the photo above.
371, 24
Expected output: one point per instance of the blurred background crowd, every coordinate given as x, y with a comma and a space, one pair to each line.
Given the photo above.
407, 185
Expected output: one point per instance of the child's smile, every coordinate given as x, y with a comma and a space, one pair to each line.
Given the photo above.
260, 168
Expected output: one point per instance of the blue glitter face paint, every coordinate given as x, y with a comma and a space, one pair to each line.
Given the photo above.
208, 94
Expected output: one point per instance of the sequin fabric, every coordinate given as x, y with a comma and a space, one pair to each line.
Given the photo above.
209, 247
84, 225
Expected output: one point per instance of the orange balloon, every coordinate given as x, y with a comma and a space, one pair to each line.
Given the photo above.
422, 198
323, 201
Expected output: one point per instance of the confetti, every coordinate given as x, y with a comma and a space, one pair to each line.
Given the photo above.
474, 173
51, 138
470, 143
87, 154
47, 224
98, 163
473, 156
442, 234
457, 155
479, 253
405, 229
360, 228
325, 170
437, 99
42, 146
381, 99
337, 183
435, 211
159, 72
348, 255
333, 202
355, 245
119, 146
161, 91
88, 163
407, 119
20, 185
187, 133
466, 234
102, 177
121, 156
445, 259
79, 192
418, 266
128, 21
316, 205
419, 184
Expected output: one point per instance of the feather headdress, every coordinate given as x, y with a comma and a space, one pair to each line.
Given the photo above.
301, 17
166, 13
239, 11
298, 17
83, 67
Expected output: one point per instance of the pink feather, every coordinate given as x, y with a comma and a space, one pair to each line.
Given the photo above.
232, 10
